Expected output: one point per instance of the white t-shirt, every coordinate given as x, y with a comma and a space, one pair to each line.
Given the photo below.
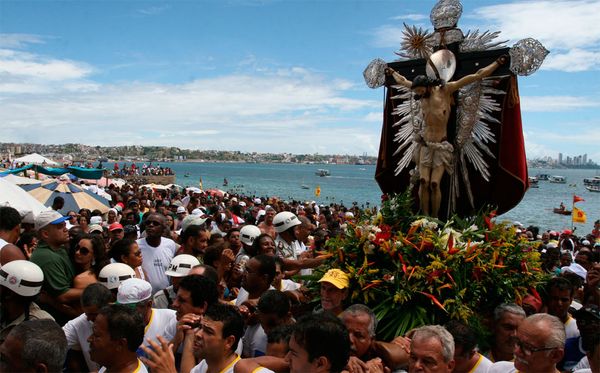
502, 367
141, 368
482, 365
162, 322
203, 368
156, 260
254, 341
77, 332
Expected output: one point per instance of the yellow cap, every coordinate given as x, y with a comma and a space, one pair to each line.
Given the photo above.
337, 278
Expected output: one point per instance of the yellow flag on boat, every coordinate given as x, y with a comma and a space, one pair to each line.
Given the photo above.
578, 216
318, 191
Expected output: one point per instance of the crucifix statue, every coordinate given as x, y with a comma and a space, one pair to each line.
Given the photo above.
459, 123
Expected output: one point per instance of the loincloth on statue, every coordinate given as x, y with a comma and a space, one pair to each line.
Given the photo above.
436, 154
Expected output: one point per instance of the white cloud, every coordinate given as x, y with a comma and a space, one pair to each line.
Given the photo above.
411, 17
574, 60
22, 72
387, 36
557, 24
18, 40
292, 109
153, 10
568, 29
556, 103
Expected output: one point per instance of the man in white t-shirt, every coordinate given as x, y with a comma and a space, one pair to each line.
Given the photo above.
78, 330
157, 251
117, 333
540, 345
137, 294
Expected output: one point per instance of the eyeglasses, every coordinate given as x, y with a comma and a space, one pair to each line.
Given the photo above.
82, 250
153, 223
528, 349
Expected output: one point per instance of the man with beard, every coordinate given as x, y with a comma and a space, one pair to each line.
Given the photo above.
117, 333
157, 251
52, 257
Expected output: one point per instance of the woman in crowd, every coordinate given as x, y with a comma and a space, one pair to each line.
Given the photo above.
128, 252
88, 256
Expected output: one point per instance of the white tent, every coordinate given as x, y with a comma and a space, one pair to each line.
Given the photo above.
20, 180
13, 196
36, 159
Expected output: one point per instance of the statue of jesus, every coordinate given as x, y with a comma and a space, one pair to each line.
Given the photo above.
436, 154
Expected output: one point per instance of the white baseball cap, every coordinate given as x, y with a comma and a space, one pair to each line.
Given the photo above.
134, 290
49, 217
96, 220
180, 209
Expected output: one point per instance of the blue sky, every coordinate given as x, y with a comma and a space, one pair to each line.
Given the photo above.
266, 76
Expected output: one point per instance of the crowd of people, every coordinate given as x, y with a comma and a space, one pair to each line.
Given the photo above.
134, 170
176, 281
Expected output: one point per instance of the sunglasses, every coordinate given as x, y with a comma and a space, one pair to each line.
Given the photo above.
82, 250
153, 223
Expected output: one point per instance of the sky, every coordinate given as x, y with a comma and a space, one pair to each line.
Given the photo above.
265, 75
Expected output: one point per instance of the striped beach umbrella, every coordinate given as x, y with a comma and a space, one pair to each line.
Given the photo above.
75, 196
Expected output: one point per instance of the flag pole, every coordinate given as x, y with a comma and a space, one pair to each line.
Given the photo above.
572, 215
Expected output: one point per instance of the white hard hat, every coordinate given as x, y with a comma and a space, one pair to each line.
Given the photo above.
284, 221
111, 275
23, 277
181, 265
249, 233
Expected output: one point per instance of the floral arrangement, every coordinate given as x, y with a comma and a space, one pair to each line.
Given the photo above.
414, 271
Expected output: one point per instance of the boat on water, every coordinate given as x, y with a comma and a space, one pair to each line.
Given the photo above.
533, 180
595, 181
562, 211
187, 174
593, 188
322, 172
543, 177
557, 179
304, 186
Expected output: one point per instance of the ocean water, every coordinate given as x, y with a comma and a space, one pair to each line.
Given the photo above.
356, 183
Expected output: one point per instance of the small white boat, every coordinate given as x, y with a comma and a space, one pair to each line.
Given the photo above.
592, 181
593, 188
322, 172
557, 179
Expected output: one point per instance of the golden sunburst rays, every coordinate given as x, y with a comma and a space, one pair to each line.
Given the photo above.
414, 43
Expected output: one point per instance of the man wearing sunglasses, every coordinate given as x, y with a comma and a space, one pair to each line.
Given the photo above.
539, 346
52, 257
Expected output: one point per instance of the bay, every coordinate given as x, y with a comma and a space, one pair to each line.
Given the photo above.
356, 183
